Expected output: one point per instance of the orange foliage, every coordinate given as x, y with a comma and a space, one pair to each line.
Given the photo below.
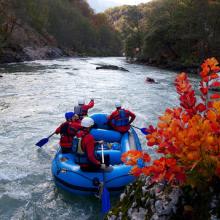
188, 137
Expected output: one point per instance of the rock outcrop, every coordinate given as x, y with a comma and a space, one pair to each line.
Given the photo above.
25, 43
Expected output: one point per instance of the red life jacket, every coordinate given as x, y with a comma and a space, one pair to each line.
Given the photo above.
67, 132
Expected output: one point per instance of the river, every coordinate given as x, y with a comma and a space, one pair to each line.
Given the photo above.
33, 99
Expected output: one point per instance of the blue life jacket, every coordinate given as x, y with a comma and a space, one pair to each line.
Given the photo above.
121, 119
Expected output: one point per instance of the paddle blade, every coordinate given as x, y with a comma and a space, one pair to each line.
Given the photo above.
42, 142
144, 131
105, 200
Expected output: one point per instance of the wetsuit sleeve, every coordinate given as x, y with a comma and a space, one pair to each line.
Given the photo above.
132, 115
58, 130
90, 148
90, 105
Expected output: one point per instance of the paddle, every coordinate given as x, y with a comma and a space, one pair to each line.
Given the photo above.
43, 141
105, 193
143, 130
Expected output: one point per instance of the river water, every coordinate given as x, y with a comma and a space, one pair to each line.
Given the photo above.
33, 99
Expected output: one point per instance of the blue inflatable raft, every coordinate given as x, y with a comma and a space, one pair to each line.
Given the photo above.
68, 175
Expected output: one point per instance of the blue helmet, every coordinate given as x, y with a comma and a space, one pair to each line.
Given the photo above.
69, 115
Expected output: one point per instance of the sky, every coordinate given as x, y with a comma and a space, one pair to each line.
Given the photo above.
101, 5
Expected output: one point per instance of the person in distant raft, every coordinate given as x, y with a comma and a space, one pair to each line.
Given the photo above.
85, 147
121, 119
82, 109
67, 131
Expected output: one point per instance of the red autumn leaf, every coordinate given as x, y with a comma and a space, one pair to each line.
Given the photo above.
203, 74
136, 171
215, 127
215, 96
214, 76
210, 104
185, 118
151, 129
215, 84
147, 170
146, 157
204, 91
150, 144
201, 107
171, 162
206, 79
211, 115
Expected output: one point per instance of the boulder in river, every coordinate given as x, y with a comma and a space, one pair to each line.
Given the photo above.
150, 80
111, 67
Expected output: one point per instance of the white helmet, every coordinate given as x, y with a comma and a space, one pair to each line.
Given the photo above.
87, 122
117, 104
81, 101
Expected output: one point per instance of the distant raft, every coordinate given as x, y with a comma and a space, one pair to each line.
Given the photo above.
68, 175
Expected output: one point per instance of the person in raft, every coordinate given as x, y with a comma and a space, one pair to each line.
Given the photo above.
85, 147
82, 109
121, 119
67, 131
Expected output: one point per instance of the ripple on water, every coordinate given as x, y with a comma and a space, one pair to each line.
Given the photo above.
8, 205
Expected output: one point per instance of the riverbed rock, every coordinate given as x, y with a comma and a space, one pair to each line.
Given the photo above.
111, 67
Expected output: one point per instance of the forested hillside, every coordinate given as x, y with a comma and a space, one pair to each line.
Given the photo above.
171, 33
32, 29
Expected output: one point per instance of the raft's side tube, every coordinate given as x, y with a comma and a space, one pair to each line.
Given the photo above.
136, 139
125, 145
100, 120
114, 156
106, 135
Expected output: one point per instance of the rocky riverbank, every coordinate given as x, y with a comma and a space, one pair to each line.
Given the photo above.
143, 200
18, 54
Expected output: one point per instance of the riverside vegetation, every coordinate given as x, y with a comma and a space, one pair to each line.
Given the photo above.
177, 34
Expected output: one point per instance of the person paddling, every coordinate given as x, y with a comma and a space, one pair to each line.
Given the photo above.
85, 149
67, 131
82, 109
121, 119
